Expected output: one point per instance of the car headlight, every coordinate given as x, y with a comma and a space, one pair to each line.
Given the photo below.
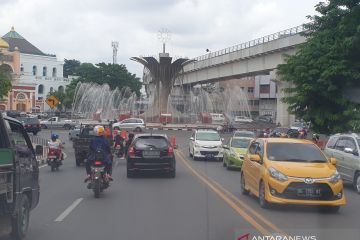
277, 175
335, 177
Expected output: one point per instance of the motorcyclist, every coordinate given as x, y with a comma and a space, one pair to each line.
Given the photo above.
99, 143
315, 138
128, 142
119, 141
56, 145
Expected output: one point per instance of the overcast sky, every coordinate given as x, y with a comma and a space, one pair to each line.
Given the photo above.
84, 29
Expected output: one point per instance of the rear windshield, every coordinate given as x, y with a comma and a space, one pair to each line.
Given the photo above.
207, 136
244, 134
31, 121
294, 152
151, 141
240, 143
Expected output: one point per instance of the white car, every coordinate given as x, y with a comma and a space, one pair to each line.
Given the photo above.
217, 117
243, 119
133, 124
206, 144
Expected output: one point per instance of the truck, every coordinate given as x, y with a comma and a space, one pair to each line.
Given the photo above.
19, 178
81, 144
56, 122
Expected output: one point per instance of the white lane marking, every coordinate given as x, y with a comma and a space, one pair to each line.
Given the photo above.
68, 210
43, 166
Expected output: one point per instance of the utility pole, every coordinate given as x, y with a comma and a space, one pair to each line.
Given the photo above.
114, 45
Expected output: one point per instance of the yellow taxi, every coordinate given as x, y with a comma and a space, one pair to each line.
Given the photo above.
291, 171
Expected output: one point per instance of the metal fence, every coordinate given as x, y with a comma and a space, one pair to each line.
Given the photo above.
252, 43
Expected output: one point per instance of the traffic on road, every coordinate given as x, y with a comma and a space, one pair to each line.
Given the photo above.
186, 190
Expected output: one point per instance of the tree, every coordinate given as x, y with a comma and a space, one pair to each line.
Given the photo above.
5, 84
325, 66
117, 76
70, 67
5, 81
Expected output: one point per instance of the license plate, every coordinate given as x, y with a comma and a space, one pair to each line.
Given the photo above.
209, 155
151, 153
309, 192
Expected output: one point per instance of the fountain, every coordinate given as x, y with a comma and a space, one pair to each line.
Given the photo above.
91, 98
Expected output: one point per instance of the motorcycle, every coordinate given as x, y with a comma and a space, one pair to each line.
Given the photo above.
119, 150
99, 181
53, 159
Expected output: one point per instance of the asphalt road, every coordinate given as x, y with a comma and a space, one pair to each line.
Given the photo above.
203, 202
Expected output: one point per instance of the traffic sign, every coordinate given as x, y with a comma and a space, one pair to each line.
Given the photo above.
52, 101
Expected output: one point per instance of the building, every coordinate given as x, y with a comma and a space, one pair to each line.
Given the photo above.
266, 92
33, 73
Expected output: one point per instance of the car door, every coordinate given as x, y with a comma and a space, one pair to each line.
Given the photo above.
350, 159
191, 142
24, 154
338, 153
251, 168
257, 166
227, 152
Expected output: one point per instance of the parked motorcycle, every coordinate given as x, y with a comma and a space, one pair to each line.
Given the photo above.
53, 159
99, 181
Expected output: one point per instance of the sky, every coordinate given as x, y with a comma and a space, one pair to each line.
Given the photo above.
84, 29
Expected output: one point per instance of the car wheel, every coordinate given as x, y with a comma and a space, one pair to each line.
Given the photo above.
262, 196
242, 184
20, 222
77, 161
172, 174
138, 129
224, 162
357, 182
190, 155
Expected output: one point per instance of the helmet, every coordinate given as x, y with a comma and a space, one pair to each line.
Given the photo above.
99, 130
54, 136
315, 137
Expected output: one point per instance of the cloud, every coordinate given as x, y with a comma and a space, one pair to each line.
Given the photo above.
84, 29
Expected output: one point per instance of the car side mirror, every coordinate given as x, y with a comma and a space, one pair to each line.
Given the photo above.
255, 158
192, 139
226, 146
39, 150
349, 150
222, 139
333, 161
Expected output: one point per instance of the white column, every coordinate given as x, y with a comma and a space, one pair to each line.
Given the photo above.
282, 115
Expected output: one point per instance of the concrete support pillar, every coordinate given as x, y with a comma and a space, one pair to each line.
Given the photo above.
282, 115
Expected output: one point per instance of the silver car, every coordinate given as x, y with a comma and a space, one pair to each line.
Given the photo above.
345, 148
132, 124
74, 132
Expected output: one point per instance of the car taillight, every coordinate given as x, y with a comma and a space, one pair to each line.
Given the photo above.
170, 151
131, 151
28, 126
97, 163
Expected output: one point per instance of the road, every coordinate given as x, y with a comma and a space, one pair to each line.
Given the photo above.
203, 202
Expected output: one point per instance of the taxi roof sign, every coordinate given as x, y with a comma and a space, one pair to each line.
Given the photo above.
52, 101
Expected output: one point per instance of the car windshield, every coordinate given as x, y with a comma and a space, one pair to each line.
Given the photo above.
207, 136
294, 152
298, 124
244, 134
151, 141
240, 143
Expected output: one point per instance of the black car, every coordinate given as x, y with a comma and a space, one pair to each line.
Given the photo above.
291, 133
151, 153
31, 124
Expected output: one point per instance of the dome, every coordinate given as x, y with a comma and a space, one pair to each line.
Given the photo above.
3, 43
